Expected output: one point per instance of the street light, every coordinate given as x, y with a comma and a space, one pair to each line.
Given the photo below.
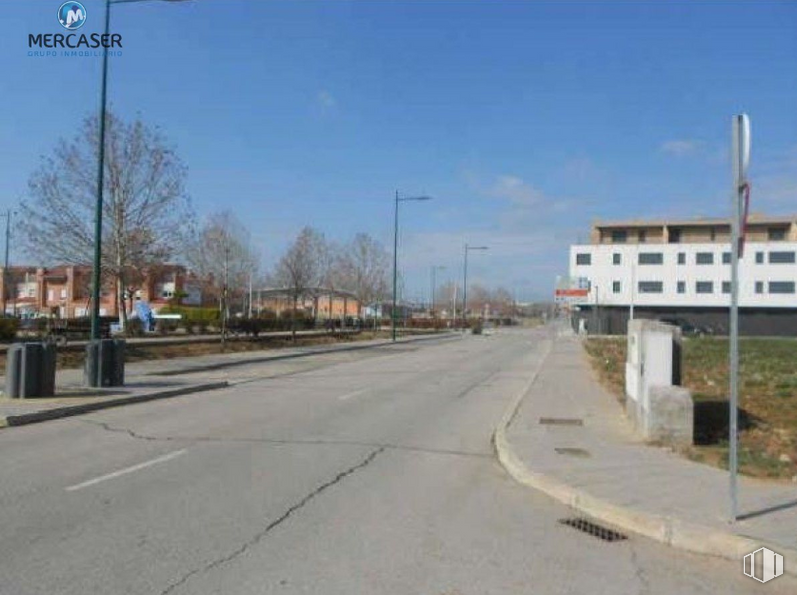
395, 252
434, 269
95, 278
8, 214
465, 283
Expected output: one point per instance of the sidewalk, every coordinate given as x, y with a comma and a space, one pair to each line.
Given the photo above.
159, 379
614, 477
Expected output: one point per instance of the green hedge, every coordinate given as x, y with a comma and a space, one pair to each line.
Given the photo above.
194, 315
8, 328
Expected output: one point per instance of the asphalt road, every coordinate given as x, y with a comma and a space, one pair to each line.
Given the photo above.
366, 472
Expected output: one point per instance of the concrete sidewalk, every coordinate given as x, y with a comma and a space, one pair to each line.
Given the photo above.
603, 470
158, 379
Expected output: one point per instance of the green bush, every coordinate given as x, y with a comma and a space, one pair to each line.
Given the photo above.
8, 329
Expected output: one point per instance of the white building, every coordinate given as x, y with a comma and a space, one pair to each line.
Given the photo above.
680, 271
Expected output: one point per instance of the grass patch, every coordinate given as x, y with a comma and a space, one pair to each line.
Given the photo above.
767, 398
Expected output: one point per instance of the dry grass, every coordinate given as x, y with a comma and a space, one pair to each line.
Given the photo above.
768, 398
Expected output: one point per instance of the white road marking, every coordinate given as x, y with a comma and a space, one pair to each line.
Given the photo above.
126, 470
348, 396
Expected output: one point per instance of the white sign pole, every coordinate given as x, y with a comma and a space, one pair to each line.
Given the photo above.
740, 156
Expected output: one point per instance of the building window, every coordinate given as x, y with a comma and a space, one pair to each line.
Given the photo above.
781, 287
651, 258
759, 258
726, 287
584, 259
675, 236
619, 236
617, 258
704, 287
759, 287
776, 234
50, 295
781, 258
682, 258
681, 287
726, 258
643, 236
615, 287
704, 258
650, 287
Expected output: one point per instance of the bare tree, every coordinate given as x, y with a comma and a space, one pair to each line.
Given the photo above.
300, 268
144, 203
221, 254
365, 265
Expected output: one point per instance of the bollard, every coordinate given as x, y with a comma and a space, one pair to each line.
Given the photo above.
30, 370
105, 363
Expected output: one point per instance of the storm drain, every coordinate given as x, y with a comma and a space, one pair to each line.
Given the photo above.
561, 421
573, 452
593, 529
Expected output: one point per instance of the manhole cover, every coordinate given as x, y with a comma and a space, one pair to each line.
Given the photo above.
573, 452
594, 529
561, 421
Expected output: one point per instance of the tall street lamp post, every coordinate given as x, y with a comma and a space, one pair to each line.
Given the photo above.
96, 273
395, 252
8, 214
465, 283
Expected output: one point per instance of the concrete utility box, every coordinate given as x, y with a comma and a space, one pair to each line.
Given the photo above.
30, 370
105, 363
654, 360
672, 416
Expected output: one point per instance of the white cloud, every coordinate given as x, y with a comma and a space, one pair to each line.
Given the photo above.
682, 147
326, 99
517, 191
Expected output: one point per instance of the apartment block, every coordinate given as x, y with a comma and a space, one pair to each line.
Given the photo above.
680, 271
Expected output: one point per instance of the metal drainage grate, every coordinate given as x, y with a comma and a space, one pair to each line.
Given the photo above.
561, 421
593, 529
573, 452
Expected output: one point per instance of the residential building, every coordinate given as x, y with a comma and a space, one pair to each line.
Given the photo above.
679, 270
64, 291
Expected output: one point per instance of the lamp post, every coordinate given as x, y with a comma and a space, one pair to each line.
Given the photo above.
8, 214
395, 252
434, 269
96, 272
465, 283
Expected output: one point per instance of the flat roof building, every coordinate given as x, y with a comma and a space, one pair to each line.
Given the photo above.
679, 270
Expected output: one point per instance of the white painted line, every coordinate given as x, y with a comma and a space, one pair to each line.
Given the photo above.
126, 470
354, 394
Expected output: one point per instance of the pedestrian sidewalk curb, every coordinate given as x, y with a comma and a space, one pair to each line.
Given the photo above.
670, 531
71, 410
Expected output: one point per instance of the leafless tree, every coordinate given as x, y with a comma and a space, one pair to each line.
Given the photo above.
221, 254
365, 265
301, 268
144, 203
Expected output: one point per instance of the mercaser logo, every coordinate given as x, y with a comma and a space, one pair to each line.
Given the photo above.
763, 565
72, 15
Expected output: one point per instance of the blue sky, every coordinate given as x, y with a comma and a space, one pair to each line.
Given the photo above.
524, 120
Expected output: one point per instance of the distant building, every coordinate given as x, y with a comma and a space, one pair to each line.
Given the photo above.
318, 302
679, 270
64, 291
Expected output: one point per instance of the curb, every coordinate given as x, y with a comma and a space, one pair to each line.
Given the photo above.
691, 537
309, 352
72, 410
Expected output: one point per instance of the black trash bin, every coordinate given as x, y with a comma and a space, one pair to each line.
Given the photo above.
30, 370
105, 363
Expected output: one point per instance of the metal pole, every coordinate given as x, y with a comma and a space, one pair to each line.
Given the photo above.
633, 283
5, 267
395, 265
465, 291
736, 210
431, 301
95, 289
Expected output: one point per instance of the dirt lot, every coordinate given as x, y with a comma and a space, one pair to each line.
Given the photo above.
768, 399
73, 358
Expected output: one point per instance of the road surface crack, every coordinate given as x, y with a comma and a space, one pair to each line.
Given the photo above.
258, 537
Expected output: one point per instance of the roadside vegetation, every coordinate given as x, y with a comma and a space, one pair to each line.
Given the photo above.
767, 390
